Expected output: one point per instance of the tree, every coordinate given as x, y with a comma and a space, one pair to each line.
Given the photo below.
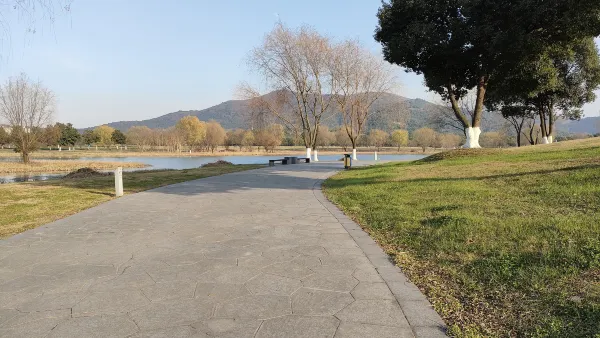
296, 67
68, 135
27, 106
269, 137
104, 134
359, 79
400, 138
325, 137
555, 84
459, 45
494, 139
89, 137
424, 138
51, 135
140, 136
192, 130
448, 141
118, 137
378, 138
248, 139
215, 135
4, 137
342, 139
234, 138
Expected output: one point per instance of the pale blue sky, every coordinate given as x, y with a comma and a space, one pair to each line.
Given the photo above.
111, 60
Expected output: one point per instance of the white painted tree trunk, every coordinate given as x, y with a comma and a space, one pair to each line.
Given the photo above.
308, 152
550, 139
354, 155
375, 156
545, 140
472, 138
316, 157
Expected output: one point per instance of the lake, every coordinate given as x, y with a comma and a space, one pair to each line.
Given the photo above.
186, 163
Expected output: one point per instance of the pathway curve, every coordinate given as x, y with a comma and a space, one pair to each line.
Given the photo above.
252, 254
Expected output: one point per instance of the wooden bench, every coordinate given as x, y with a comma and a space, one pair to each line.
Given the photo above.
305, 159
282, 160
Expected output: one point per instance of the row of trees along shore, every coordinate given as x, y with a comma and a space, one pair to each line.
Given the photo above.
192, 134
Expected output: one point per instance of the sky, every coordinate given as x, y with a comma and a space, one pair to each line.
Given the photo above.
113, 60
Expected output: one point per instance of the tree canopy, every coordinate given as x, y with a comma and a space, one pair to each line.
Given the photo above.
118, 137
556, 83
459, 45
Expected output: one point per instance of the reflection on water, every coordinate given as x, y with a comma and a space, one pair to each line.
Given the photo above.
28, 177
192, 162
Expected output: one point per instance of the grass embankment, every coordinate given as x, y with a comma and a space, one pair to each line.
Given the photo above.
25, 206
54, 166
505, 243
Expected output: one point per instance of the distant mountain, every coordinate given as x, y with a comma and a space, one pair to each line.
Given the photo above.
229, 114
587, 125
233, 114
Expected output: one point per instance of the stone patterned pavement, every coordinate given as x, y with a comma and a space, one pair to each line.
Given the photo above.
253, 254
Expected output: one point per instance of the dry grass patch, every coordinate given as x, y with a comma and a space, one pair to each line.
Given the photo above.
53, 166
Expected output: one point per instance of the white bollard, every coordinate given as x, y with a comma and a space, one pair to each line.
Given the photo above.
316, 155
59, 148
119, 182
375, 156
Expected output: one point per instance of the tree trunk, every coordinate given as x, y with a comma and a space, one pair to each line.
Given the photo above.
473, 134
353, 141
25, 157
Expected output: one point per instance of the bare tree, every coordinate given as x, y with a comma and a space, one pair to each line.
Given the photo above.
27, 107
295, 67
359, 79
30, 14
424, 138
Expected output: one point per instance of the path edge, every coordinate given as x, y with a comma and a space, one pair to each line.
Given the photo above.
424, 321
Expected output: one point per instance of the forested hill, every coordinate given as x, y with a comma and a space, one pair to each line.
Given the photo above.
233, 114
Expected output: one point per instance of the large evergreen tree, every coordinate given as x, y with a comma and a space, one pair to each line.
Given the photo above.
555, 84
461, 45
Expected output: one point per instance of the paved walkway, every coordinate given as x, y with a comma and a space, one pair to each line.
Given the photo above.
252, 254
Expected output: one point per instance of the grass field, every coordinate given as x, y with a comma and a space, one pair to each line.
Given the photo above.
25, 206
505, 243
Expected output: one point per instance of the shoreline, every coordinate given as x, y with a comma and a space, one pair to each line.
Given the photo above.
66, 154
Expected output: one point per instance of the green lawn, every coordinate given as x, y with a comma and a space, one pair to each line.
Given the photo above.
28, 205
505, 243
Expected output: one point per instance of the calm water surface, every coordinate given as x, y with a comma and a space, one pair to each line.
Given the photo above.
188, 163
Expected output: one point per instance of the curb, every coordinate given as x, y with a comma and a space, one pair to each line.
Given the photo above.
424, 321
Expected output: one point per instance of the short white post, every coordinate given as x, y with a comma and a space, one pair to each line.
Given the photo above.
375, 156
59, 148
316, 155
96, 148
119, 182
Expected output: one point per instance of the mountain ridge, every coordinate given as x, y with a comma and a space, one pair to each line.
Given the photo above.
232, 114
